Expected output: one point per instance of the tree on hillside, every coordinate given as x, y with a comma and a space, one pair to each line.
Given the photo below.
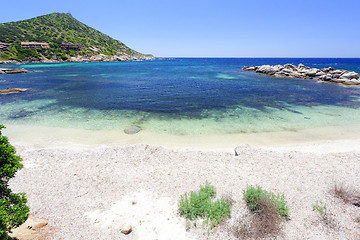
13, 211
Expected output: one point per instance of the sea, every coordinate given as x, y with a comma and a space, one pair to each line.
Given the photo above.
178, 97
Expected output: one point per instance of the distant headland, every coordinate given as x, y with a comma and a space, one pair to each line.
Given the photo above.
58, 37
291, 71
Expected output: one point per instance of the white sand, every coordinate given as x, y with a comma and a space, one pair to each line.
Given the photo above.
88, 187
343, 138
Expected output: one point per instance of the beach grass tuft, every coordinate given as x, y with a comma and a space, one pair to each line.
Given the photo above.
267, 212
346, 193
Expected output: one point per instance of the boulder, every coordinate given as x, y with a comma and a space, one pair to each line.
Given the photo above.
237, 151
338, 71
267, 69
126, 229
328, 69
352, 82
311, 73
290, 74
278, 68
132, 130
300, 65
290, 66
320, 73
350, 75
326, 77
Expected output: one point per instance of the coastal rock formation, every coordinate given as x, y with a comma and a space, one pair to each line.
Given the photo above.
291, 71
13, 90
13, 71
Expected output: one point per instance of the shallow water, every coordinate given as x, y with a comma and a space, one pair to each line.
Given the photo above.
183, 97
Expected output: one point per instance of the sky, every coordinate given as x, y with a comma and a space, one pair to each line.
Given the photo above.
210, 28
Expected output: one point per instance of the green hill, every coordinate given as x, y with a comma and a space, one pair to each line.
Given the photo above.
57, 29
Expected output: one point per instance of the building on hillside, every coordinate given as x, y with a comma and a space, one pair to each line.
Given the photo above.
69, 46
4, 46
34, 45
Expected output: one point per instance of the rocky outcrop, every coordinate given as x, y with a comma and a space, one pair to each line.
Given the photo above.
110, 58
13, 71
291, 71
8, 62
96, 58
13, 90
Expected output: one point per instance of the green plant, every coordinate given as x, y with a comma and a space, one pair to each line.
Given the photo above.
254, 196
202, 204
320, 208
13, 211
264, 223
325, 215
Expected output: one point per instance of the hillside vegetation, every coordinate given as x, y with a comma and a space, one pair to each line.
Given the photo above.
57, 29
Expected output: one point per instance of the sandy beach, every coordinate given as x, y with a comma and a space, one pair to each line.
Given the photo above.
91, 190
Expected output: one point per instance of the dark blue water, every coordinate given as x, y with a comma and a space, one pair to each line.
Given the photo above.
180, 88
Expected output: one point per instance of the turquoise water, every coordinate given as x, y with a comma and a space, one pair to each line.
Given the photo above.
178, 96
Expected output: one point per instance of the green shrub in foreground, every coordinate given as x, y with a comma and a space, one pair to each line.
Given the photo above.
253, 195
202, 204
13, 211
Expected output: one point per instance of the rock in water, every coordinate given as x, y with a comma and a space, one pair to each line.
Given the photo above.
132, 130
14, 71
13, 90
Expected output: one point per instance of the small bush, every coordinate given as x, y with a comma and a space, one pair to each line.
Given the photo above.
202, 205
265, 223
346, 193
254, 196
325, 215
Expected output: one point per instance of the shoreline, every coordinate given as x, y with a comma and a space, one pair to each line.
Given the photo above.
94, 58
316, 140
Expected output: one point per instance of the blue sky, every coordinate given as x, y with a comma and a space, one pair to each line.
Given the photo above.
223, 28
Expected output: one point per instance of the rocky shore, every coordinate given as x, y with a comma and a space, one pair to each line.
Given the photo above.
291, 71
106, 58
88, 58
